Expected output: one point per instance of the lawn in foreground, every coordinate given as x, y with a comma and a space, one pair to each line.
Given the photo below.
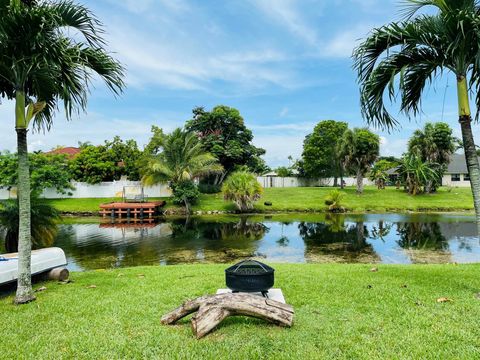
312, 199
342, 311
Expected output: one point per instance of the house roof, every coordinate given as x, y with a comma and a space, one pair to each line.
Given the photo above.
69, 151
458, 164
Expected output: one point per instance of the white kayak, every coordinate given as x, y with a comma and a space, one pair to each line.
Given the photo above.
42, 260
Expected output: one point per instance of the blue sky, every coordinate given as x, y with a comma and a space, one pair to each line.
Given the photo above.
285, 64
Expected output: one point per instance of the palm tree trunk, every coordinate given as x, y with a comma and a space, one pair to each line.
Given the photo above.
24, 287
473, 166
359, 182
472, 163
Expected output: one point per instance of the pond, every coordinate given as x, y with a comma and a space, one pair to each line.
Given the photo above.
310, 238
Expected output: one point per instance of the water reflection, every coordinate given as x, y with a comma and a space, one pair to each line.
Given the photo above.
387, 238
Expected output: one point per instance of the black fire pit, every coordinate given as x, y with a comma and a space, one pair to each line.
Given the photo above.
249, 276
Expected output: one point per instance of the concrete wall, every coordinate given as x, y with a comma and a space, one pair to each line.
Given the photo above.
279, 182
447, 181
102, 190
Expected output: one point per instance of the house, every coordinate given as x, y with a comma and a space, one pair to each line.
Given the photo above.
457, 172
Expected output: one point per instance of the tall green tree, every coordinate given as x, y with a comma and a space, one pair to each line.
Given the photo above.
414, 52
48, 54
223, 133
358, 149
180, 158
320, 155
434, 144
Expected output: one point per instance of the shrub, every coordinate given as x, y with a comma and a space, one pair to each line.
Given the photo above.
185, 193
243, 189
334, 201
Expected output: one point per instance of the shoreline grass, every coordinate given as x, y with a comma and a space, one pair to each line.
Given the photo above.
309, 200
341, 311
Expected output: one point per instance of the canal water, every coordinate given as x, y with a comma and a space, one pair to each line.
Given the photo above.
310, 238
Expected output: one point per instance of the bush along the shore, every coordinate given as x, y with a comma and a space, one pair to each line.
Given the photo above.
243, 189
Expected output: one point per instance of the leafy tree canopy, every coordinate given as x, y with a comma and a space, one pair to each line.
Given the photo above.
107, 162
434, 143
46, 171
223, 133
320, 155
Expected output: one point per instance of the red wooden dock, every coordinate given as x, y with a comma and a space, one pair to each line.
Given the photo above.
131, 210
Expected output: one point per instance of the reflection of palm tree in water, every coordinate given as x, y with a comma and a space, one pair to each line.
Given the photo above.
219, 242
381, 231
347, 243
415, 235
335, 222
283, 241
424, 242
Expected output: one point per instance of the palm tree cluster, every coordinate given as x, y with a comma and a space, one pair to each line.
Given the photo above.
43, 65
179, 159
413, 52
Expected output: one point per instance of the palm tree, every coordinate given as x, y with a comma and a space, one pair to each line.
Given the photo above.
44, 219
417, 173
434, 144
43, 64
181, 160
358, 149
243, 189
415, 51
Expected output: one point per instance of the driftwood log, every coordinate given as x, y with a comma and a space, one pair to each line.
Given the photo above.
213, 309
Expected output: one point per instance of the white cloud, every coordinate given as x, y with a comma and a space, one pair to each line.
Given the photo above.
393, 146
191, 66
342, 44
286, 13
279, 147
92, 127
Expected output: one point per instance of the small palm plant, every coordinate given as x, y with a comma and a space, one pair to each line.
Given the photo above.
334, 201
417, 173
243, 189
43, 225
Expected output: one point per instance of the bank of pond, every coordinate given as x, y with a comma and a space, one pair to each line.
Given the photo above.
309, 238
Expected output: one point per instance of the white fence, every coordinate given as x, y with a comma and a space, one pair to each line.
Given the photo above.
284, 182
115, 188
101, 190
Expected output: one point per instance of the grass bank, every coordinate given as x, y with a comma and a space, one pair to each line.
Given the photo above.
342, 311
312, 199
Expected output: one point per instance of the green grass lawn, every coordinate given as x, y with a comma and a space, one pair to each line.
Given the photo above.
342, 311
312, 199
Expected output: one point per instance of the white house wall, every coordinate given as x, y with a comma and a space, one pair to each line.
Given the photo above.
447, 181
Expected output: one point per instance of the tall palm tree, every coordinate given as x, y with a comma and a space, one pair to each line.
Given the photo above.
416, 50
181, 159
358, 149
43, 64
